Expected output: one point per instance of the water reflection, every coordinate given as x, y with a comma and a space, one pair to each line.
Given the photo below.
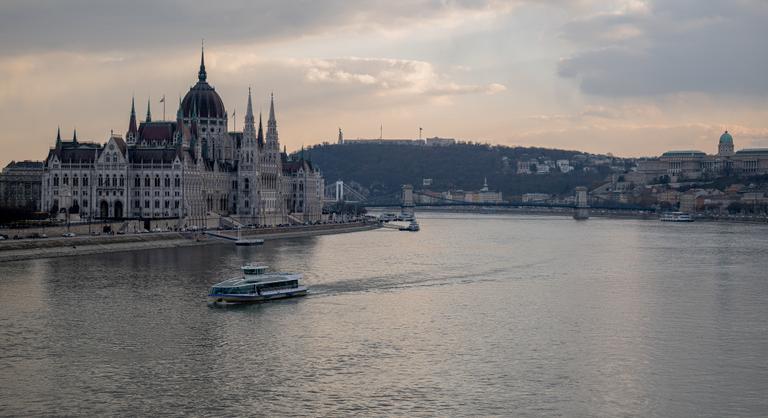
474, 315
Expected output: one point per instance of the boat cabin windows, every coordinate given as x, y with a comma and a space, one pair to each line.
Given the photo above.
239, 290
290, 284
254, 270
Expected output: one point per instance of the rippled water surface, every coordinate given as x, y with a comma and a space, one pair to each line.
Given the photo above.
474, 315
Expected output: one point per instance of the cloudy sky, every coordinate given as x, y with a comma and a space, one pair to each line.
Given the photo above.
631, 77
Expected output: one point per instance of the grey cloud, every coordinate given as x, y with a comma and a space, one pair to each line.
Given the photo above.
712, 47
93, 25
391, 76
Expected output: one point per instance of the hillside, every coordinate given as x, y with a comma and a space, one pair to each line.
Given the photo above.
383, 168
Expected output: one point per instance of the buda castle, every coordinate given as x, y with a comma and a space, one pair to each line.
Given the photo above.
695, 165
191, 169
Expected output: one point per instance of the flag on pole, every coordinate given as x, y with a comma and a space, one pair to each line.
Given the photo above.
163, 99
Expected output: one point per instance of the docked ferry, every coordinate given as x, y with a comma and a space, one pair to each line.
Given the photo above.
256, 285
412, 227
676, 217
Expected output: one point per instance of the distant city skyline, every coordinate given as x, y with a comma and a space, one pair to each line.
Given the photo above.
627, 77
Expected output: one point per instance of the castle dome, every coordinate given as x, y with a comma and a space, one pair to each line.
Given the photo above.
202, 98
726, 138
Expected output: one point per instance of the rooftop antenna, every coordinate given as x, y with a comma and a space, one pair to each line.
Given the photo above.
381, 131
162, 100
234, 119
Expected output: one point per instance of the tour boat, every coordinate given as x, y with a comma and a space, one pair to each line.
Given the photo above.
676, 217
413, 226
256, 285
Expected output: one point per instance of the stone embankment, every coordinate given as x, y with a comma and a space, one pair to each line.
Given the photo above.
11, 250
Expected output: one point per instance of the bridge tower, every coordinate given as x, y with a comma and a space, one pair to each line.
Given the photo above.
407, 201
339, 191
581, 209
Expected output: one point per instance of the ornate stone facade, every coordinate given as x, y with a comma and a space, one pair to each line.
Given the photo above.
693, 165
20, 185
191, 169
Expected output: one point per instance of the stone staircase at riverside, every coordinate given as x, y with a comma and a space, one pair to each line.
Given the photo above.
228, 222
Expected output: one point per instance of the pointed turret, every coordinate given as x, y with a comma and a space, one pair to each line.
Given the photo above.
272, 137
202, 75
132, 128
249, 131
74, 136
58, 136
149, 113
249, 108
272, 121
260, 134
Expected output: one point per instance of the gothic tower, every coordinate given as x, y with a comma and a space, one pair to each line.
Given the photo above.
133, 131
247, 169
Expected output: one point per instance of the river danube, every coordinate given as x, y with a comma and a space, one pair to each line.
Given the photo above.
473, 315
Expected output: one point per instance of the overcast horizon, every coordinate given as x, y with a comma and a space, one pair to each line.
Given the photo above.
627, 77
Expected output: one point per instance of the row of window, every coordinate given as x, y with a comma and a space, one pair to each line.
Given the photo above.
114, 181
148, 182
167, 204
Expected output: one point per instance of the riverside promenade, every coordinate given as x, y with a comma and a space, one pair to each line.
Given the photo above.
12, 250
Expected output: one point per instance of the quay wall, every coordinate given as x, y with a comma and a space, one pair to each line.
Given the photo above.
11, 250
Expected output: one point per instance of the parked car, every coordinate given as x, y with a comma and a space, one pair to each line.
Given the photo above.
68, 234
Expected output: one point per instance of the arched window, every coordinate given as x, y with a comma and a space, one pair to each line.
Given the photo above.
85, 181
247, 184
157, 181
177, 182
137, 181
74, 181
122, 181
56, 180
101, 180
114, 180
146, 181
66, 179
167, 181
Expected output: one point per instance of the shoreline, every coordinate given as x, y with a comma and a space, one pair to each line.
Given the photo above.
592, 214
86, 245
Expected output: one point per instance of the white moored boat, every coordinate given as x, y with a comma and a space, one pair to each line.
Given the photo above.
676, 217
412, 227
256, 285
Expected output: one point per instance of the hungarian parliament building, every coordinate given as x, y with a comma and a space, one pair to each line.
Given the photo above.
190, 169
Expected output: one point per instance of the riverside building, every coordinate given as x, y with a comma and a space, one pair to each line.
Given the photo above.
191, 169
692, 164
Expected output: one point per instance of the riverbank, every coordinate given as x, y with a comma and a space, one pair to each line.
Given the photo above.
593, 213
63, 247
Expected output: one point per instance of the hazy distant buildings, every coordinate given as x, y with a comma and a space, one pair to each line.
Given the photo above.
484, 195
693, 164
535, 197
432, 142
440, 142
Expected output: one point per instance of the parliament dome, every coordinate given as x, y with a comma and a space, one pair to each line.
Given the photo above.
202, 98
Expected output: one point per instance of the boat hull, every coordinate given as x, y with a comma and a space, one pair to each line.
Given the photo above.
249, 242
221, 300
